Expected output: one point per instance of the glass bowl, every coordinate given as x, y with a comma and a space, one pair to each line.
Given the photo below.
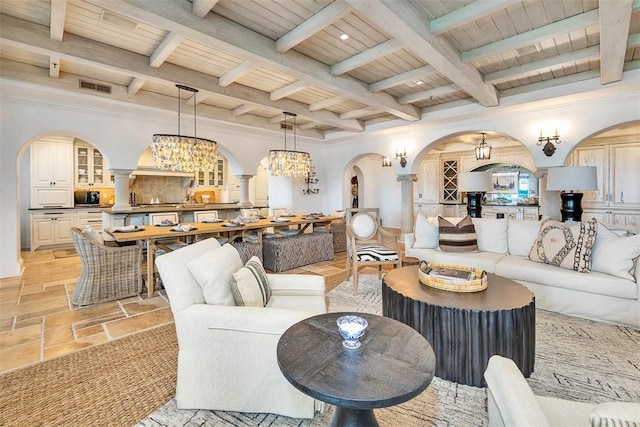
351, 328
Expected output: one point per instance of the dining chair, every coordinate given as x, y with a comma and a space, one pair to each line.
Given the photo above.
364, 243
204, 216
282, 230
168, 244
250, 235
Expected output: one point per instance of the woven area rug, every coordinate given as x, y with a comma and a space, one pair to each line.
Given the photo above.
575, 359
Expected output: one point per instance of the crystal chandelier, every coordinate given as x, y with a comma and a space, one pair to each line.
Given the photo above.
184, 153
289, 162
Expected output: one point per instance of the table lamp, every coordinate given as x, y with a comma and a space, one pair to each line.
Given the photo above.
567, 180
474, 184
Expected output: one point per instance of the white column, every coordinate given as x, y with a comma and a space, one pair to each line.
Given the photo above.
406, 203
244, 190
121, 177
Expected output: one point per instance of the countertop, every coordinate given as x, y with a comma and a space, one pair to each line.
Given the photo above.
159, 207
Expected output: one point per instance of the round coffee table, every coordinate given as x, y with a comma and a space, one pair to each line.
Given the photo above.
465, 329
393, 364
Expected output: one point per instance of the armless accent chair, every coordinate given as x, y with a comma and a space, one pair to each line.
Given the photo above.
364, 243
226, 353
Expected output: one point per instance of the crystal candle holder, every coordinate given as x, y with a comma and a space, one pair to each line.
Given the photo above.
351, 328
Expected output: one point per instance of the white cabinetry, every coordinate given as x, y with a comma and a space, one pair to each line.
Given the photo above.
617, 199
89, 218
51, 227
90, 168
529, 213
52, 173
213, 178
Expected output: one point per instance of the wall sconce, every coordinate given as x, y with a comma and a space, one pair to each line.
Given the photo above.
549, 148
483, 150
386, 162
402, 156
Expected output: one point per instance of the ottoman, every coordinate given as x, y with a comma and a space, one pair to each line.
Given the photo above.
285, 253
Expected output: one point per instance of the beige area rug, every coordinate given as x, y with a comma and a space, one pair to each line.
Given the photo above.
132, 380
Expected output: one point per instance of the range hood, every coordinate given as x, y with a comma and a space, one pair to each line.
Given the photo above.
147, 166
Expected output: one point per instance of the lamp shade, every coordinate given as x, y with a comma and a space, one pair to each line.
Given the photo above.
474, 181
572, 178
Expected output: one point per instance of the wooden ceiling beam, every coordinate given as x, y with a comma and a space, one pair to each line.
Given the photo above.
166, 48
32, 74
288, 90
313, 25
34, 38
58, 13
400, 79
243, 109
467, 14
220, 33
327, 103
237, 73
201, 8
135, 85
365, 57
356, 114
403, 22
427, 94
54, 66
615, 20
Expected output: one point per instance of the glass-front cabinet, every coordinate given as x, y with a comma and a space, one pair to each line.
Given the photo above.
213, 178
90, 168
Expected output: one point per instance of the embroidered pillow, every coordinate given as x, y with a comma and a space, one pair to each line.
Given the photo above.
566, 245
460, 237
250, 285
610, 414
93, 235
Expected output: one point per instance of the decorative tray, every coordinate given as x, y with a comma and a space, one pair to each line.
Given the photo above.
477, 278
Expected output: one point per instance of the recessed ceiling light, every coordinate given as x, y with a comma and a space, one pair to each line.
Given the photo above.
344, 36
419, 82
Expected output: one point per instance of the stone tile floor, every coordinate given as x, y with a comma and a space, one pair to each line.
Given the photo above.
38, 321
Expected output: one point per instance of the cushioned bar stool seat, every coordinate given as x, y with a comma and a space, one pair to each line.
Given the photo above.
290, 252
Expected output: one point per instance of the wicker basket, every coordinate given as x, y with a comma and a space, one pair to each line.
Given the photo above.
479, 283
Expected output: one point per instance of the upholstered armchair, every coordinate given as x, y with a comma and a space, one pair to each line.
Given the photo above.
364, 243
511, 402
227, 353
108, 273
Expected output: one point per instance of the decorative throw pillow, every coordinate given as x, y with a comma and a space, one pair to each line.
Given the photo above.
426, 232
566, 245
615, 255
616, 414
521, 235
460, 237
213, 271
250, 285
492, 234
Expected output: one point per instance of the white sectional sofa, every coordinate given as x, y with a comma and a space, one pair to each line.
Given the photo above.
608, 293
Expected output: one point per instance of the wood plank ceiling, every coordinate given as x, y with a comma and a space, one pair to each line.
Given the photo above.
341, 65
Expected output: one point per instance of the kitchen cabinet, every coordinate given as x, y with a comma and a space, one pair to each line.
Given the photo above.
425, 189
449, 176
52, 173
51, 227
617, 199
529, 213
90, 168
89, 218
213, 178
426, 209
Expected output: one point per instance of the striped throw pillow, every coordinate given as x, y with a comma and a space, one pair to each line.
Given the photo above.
460, 237
250, 285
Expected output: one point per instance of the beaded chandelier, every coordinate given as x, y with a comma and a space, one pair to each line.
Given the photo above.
184, 153
289, 162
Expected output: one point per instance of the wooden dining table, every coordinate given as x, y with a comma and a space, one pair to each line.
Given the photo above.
152, 233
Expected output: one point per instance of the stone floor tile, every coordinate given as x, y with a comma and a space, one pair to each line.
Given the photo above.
19, 356
18, 337
139, 322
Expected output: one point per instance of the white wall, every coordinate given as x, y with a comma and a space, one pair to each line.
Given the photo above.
123, 131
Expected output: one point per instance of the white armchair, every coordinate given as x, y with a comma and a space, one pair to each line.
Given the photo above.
227, 354
511, 402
